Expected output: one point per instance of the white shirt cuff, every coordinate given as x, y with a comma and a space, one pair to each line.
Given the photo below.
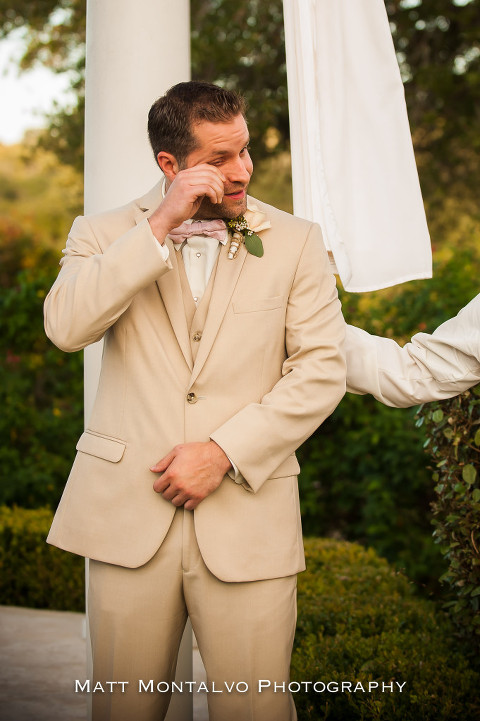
234, 473
163, 248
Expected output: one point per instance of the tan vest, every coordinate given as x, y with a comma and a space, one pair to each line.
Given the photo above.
196, 315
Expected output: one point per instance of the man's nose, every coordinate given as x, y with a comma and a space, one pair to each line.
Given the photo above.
239, 171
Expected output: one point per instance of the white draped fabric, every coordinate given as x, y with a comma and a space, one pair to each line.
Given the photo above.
353, 165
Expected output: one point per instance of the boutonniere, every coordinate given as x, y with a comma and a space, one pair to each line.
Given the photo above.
245, 231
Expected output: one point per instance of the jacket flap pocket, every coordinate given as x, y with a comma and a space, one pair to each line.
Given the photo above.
289, 467
110, 449
252, 305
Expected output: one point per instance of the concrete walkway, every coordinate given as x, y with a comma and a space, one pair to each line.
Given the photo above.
42, 653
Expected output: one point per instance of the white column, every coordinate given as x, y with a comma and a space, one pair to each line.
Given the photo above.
136, 50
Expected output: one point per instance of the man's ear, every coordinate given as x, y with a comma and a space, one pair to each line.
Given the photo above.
168, 165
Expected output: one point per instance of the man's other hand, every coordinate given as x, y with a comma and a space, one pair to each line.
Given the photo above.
190, 472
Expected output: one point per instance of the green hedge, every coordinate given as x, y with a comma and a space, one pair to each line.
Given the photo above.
360, 621
33, 573
377, 490
41, 396
453, 429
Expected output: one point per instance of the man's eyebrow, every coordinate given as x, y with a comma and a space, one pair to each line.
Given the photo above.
228, 151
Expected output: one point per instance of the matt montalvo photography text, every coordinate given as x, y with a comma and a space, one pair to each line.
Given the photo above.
151, 686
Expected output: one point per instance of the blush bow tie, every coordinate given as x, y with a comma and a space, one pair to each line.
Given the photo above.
213, 228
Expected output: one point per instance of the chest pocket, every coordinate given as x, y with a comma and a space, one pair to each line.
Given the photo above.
256, 305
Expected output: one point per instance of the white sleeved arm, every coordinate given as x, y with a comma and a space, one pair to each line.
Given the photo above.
431, 367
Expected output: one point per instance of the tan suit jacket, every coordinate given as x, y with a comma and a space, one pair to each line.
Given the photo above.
269, 369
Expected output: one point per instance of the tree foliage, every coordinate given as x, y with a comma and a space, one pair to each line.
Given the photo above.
54, 31
41, 388
41, 393
438, 47
38, 198
241, 43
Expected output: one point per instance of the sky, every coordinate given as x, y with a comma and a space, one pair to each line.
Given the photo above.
25, 97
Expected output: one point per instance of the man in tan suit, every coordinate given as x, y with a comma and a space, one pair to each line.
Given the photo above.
218, 363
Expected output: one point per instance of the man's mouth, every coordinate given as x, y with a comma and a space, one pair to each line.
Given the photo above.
236, 195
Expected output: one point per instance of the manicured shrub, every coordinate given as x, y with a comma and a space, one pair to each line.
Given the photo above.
359, 621
33, 573
364, 479
41, 396
453, 429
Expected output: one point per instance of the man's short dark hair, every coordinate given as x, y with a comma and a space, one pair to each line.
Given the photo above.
172, 117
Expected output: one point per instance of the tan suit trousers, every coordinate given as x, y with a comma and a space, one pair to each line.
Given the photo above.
244, 631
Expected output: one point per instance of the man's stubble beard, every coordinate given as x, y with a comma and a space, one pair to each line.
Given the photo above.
231, 209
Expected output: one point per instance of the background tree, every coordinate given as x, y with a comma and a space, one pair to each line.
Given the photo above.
438, 48
241, 43
54, 33
41, 388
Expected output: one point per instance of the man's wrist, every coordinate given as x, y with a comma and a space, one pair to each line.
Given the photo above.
157, 231
222, 459
160, 224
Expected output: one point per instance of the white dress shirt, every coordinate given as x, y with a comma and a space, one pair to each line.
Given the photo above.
431, 367
200, 253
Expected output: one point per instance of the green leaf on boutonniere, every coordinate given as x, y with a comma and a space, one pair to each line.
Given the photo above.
254, 245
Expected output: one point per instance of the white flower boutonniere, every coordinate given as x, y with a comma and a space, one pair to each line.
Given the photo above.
244, 229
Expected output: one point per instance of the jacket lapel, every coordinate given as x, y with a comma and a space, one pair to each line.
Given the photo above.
171, 291
169, 283
226, 278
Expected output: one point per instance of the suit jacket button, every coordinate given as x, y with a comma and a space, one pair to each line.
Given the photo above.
192, 398
197, 336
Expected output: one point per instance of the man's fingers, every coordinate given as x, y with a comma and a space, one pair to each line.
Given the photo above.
204, 180
190, 472
190, 505
171, 493
162, 465
163, 481
203, 171
211, 187
211, 191
161, 484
